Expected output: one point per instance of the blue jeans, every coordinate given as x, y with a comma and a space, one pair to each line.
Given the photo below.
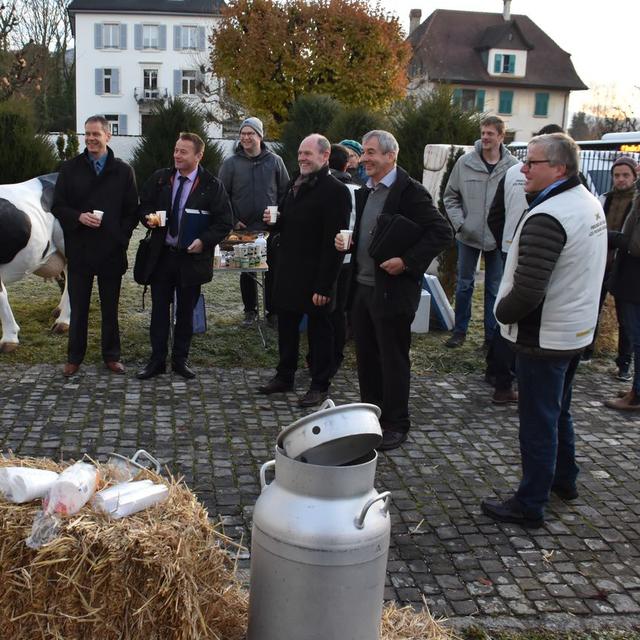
547, 441
631, 322
467, 262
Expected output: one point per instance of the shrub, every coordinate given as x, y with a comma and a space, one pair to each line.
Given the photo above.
155, 150
354, 122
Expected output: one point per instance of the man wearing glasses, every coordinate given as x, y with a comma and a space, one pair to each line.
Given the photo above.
547, 308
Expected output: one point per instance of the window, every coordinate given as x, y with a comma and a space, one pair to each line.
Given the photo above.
150, 36
506, 102
542, 104
189, 37
107, 82
150, 83
189, 82
114, 122
111, 36
469, 99
107, 77
504, 63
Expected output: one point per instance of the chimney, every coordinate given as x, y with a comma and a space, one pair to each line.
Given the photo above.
506, 12
414, 19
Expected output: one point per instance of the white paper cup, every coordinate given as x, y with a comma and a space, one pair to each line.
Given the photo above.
22, 484
346, 237
163, 218
98, 214
273, 214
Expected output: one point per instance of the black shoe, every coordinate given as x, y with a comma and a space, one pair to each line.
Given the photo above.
624, 374
249, 318
182, 368
152, 368
275, 385
510, 511
312, 398
566, 493
391, 440
456, 340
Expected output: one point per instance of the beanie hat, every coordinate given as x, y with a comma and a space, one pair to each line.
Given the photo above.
627, 161
255, 124
353, 145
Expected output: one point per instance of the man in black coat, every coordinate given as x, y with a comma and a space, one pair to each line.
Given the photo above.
315, 208
181, 253
384, 296
95, 201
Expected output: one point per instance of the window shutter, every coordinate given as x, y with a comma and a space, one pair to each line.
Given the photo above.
115, 81
480, 100
122, 124
542, 104
177, 37
162, 37
511, 66
137, 36
97, 36
177, 82
99, 82
202, 39
497, 65
123, 36
506, 102
457, 96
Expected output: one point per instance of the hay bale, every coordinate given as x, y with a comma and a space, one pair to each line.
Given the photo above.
163, 574
404, 623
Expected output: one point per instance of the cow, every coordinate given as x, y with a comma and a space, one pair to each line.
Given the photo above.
31, 241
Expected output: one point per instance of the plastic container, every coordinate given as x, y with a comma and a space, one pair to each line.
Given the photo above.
108, 500
261, 243
72, 490
143, 498
22, 484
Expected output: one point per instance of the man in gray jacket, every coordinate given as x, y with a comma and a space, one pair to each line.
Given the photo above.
470, 191
254, 178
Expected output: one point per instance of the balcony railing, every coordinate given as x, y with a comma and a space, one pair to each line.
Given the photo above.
143, 95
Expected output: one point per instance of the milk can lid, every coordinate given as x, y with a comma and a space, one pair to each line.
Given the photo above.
333, 435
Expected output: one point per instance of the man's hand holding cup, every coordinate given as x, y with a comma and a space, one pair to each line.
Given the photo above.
344, 240
270, 215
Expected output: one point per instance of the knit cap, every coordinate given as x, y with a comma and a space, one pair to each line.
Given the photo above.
255, 124
627, 161
353, 145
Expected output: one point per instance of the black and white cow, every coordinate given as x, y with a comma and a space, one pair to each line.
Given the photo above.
31, 241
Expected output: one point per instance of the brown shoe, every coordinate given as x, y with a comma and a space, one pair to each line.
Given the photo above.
629, 402
70, 369
115, 366
504, 396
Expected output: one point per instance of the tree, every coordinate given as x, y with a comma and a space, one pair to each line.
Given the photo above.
580, 129
431, 120
156, 147
353, 123
270, 53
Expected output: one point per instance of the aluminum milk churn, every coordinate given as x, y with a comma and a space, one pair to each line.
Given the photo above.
321, 531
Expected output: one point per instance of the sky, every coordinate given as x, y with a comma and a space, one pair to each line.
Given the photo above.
604, 45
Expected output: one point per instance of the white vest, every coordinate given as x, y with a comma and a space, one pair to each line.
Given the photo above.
515, 203
570, 307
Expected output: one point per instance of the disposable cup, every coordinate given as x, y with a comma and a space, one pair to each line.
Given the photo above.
163, 218
108, 500
98, 214
346, 237
273, 214
22, 484
143, 498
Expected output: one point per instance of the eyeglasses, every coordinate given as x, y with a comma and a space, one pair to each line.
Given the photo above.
528, 163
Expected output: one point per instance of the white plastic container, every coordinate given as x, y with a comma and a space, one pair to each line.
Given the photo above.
108, 500
72, 490
261, 243
143, 498
22, 484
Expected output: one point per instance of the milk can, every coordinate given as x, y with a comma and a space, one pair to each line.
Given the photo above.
321, 531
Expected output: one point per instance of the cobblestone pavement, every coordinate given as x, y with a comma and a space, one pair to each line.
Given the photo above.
582, 567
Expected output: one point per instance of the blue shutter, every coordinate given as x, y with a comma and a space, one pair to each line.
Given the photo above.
123, 36
162, 37
99, 82
177, 37
542, 104
137, 36
497, 65
177, 82
480, 100
202, 39
457, 97
511, 64
122, 124
97, 36
506, 102
115, 81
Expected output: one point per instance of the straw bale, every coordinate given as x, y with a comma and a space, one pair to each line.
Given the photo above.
404, 623
166, 573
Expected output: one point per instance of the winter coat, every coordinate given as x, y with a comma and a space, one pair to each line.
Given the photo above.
308, 261
469, 194
208, 196
103, 250
253, 184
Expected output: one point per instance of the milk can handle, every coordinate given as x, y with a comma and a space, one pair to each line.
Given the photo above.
263, 473
141, 453
327, 404
386, 496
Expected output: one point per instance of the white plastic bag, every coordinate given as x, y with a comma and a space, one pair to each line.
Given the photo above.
109, 499
23, 484
143, 498
72, 490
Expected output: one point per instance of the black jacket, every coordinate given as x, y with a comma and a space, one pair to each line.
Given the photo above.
308, 261
101, 251
209, 195
401, 294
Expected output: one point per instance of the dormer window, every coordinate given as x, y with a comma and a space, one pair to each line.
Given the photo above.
504, 63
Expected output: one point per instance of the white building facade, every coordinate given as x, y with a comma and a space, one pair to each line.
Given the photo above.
127, 60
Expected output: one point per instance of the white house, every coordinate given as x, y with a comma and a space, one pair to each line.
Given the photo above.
132, 53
